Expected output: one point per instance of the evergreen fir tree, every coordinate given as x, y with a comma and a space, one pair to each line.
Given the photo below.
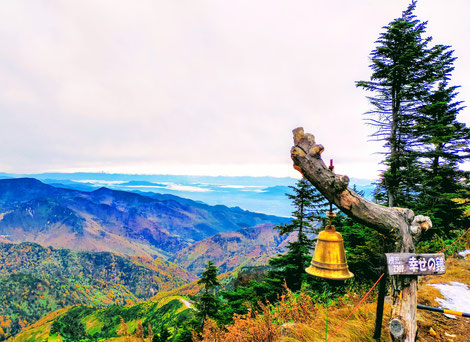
184, 335
290, 267
208, 303
404, 69
444, 146
309, 207
163, 335
415, 113
239, 301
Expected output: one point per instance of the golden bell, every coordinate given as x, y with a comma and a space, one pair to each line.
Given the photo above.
329, 258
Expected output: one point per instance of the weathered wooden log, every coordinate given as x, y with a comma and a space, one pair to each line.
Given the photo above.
397, 223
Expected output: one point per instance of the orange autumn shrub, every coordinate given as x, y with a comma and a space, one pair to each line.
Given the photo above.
213, 332
259, 327
264, 325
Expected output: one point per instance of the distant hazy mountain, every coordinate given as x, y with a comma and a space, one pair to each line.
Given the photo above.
110, 220
258, 194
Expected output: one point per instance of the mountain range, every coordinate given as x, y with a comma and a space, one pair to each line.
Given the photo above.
112, 220
259, 194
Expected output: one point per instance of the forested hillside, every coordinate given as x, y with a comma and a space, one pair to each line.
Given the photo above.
35, 280
244, 247
166, 317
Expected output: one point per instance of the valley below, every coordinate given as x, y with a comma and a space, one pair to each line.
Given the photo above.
62, 247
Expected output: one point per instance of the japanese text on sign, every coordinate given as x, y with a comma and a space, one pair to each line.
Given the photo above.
415, 264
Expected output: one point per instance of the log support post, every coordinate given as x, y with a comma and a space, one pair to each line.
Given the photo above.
379, 312
399, 224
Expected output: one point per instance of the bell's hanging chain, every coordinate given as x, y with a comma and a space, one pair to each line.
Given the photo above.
330, 213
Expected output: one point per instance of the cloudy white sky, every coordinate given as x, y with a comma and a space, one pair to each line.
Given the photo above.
197, 87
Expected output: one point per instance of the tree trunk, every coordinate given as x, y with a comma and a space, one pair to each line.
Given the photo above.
393, 141
397, 223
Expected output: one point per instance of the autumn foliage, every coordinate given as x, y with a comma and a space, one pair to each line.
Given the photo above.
266, 324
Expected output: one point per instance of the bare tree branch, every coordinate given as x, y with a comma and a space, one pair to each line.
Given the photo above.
394, 222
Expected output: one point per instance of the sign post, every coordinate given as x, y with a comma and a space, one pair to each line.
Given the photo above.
405, 264
379, 311
411, 264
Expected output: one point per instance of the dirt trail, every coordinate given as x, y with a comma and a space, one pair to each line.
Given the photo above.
187, 304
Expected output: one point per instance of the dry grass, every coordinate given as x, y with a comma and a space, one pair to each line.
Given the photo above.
359, 327
456, 270
298, 319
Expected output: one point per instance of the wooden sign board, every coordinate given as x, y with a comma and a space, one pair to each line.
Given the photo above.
415, 264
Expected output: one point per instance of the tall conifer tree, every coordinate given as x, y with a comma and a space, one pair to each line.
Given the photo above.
444, 145
404, 68
415, 113
208, 303
308, 204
